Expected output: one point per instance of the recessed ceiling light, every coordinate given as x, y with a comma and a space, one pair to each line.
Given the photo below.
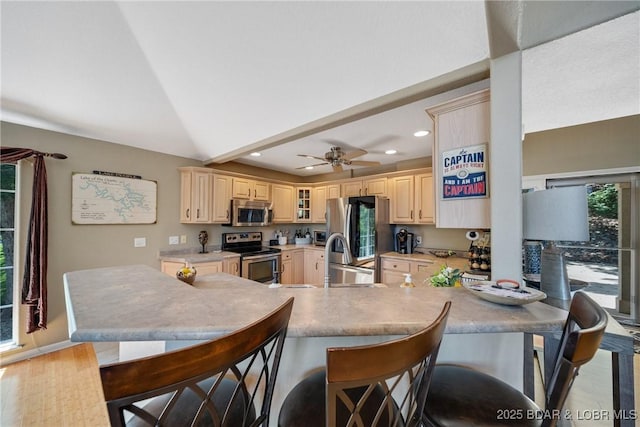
255, 154
308, 167
422, 133
390, 152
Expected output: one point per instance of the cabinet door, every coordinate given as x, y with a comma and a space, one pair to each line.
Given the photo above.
231, 266
351, 188
392, 278
208, 268
401, 202
298, 267
171, 267
319, 204
201, 197
185, 196
303, 204
261, 190
286, 268
242, 188
314, 267
461, 123
282, 203
221, 204
375, 187
425, 201
333, 191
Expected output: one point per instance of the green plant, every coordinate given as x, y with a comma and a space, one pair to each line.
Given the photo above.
446, 277
603, 201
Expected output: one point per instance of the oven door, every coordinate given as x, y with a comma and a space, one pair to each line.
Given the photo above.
261, 268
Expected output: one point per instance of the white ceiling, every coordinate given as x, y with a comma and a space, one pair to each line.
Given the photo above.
214, 80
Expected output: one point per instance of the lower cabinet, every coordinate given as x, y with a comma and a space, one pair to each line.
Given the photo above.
314, 267
228, 265
394, 269
292, 267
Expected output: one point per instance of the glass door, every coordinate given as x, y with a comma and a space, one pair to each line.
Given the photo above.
608, 263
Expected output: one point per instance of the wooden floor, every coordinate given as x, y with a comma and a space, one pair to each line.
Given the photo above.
63, 389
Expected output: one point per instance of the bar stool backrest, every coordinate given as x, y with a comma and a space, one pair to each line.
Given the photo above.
402, 367
219, 382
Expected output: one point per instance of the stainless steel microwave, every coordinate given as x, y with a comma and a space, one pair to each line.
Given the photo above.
250, 213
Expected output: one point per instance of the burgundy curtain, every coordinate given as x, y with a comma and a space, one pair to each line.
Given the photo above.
34, 282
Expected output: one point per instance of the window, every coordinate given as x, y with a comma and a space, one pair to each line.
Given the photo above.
7, 234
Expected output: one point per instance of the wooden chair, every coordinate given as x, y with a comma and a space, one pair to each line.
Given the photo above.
461, 396
215, 383
359, 381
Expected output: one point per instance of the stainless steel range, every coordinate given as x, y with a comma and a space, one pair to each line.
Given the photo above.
257, 262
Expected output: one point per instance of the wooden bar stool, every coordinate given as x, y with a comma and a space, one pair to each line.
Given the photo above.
359, 381
216, 383
462, 396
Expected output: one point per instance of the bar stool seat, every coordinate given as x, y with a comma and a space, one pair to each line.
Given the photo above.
461, 396
359, 384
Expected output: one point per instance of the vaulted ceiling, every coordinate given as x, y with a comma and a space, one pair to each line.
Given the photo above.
215, 80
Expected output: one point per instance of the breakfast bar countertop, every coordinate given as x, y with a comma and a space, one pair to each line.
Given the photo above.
139, 303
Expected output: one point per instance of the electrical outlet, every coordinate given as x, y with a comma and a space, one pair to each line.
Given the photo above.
174, 240
183, 239
418, 240
139, 242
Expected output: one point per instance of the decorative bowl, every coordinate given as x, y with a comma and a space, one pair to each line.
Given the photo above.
442, 254
187, 275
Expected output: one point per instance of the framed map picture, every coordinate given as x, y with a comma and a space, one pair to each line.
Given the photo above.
104, 199
464, 172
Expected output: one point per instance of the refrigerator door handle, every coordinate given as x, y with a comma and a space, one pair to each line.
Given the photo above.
347, 230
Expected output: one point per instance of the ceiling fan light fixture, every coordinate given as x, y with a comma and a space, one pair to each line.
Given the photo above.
255, 154
308, 168
391, 151
421, 133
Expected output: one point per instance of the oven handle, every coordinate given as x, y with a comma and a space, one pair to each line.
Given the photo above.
259, 257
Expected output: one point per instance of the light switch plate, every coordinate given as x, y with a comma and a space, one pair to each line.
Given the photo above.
183, 239
139, 242
174, 240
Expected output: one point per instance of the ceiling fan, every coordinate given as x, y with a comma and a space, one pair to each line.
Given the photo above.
336, 158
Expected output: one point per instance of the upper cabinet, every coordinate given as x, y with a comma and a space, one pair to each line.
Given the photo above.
411, 199
249, 189
221, 206
195, 195
365, 187
461, 125
303, 204
283, 200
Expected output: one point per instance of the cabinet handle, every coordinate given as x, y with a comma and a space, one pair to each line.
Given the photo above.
227, 213
282, 269
420, 214
316, 265
255, 193
366, 191
249, 193
237, 267
411, 214
188, 213
197, 213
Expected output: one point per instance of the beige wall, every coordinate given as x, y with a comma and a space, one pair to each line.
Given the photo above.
601, 145
75, 247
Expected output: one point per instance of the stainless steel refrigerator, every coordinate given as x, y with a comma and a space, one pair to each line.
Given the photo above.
364, 221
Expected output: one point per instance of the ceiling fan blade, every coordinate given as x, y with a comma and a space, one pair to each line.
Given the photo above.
337, 168
317, 164
312, 157
363, 163
353, 154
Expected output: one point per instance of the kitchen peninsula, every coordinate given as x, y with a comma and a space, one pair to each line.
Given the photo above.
138, 304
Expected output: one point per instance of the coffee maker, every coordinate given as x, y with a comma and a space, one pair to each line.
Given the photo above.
404, 242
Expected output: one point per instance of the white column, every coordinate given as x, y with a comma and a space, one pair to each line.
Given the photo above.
506, 166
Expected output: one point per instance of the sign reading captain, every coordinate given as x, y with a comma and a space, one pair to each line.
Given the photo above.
464, 172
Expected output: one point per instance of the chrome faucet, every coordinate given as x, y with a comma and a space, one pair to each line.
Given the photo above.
327, 249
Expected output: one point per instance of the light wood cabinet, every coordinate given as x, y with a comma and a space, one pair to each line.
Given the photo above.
292, 267
333, 191
304, 204
202, 268
411, 199
231, 265
314, 267
421, 270
283, 202
249, 189
221, 205
195, 195
319, 204
365, 187
461, 123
